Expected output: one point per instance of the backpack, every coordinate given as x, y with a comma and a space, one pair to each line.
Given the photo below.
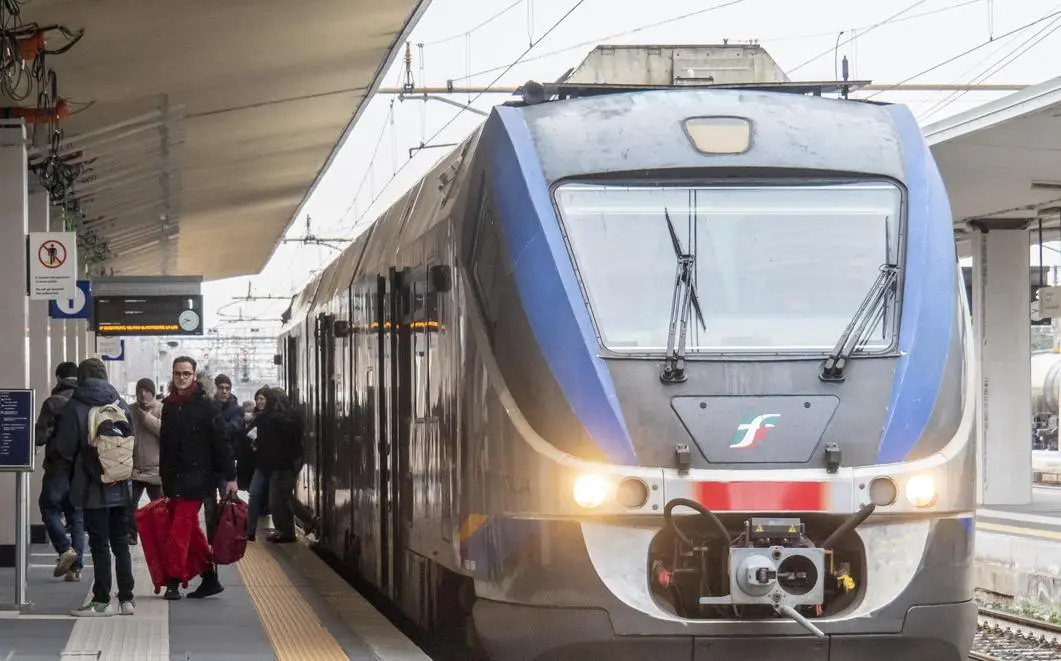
111, 437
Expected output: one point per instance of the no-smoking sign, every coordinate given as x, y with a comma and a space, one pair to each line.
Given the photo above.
51, 254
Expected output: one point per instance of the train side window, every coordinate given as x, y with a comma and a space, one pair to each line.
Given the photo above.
487, 260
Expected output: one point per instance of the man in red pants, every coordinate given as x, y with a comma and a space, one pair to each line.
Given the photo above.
193, 451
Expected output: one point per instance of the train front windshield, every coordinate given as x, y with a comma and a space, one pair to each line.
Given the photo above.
777, 268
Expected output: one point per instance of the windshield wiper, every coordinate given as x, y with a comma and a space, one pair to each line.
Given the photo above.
834, 365
684, 295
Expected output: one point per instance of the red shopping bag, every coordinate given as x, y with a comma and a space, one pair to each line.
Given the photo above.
152, 520
230, 532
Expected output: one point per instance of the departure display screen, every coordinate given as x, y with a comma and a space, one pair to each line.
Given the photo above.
148, 315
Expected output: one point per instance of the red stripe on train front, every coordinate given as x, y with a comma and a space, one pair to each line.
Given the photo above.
763, 496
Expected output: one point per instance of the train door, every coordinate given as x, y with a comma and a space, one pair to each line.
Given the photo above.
397, 368
383, 387
311, 434
403, 391
325, 420
351, 438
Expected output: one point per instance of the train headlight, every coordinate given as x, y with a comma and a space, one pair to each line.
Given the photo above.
590, 491
921, 490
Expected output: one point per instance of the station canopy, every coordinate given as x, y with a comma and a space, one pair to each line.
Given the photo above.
202, 126
1001, 162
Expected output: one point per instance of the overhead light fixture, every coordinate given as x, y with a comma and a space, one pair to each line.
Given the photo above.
1046, 185
988, 224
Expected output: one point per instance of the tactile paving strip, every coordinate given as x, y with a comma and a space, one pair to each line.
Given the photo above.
294, 629
141, 637
383, 638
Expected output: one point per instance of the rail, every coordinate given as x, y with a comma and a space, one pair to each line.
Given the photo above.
1002, 636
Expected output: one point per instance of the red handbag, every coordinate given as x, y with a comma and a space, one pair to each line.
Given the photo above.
230, 532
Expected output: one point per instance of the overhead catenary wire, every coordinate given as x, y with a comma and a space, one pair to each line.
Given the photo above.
966, 52
388, 121
477, 27
452, 119
886, 21
522, 55
1009, 58
1003, 44
698, 12
860, 30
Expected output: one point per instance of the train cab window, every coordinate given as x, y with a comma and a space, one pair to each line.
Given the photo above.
487, 260
777, 268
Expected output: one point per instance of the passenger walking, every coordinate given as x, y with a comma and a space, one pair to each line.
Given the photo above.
232, 420
258, 494
95, 435
147, 419
54, 498
279, 454
194, 451
243, 451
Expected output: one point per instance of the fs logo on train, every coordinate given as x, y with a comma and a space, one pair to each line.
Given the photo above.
752, 429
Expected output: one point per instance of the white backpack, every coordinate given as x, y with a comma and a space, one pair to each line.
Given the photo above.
111, 437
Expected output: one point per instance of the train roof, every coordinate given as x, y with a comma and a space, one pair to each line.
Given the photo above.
534, 93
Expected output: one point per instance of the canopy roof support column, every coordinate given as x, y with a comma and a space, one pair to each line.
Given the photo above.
14, 366
1003, 342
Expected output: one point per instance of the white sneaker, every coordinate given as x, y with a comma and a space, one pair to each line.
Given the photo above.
93, 609
73, 576
127, 608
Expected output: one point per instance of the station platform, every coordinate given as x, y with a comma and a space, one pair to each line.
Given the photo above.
1046, 467
1018, 552
280, 602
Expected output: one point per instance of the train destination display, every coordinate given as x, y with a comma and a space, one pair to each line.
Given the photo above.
148, 315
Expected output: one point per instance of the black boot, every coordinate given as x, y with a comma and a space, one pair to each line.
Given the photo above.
209, 585
173, 591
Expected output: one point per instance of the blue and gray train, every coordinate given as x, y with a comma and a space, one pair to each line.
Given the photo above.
654, 374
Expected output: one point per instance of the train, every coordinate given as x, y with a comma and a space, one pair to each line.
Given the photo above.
1046, 388
639, 374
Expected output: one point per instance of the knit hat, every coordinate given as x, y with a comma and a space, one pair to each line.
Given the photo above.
222, 379
145, 384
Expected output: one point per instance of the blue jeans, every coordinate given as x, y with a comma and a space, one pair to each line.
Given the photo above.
54, 502
259, 494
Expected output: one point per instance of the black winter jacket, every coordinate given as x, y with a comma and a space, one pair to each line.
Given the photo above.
71, 443
193, 446
279, 440
44, 430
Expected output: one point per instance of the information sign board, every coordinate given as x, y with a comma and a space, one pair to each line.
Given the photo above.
73, 308
1050, 301
16, 429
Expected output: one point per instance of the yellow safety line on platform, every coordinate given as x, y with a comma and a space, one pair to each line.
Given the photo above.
294, 629
1017, 530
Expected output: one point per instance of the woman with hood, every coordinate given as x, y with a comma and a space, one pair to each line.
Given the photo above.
279, 442
258, 500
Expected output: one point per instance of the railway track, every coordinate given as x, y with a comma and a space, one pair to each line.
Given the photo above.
1002, 636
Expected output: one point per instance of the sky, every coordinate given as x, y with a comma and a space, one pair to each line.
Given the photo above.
473, 42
